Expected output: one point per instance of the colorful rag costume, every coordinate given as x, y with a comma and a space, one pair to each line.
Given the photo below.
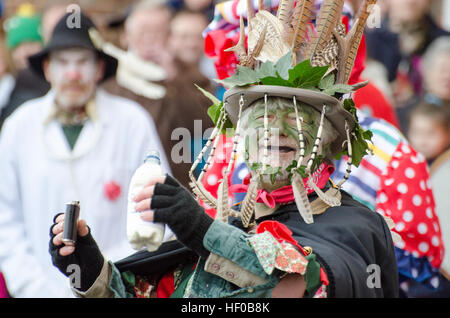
364, 183
379, 183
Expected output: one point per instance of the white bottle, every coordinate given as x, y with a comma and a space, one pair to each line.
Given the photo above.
144, 234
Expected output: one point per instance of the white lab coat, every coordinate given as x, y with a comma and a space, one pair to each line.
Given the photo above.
37, 179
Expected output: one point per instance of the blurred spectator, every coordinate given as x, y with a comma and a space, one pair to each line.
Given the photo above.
436, 78
429, 129
7, 81
405, 34
52, 13
23, 39
436, 68
75, 143
370, 99
186, 41
202, 6
147, 30
23, 36
376, 73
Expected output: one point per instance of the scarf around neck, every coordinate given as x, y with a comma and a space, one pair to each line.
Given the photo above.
285, 194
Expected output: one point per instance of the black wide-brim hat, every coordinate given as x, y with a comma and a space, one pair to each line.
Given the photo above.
70, 34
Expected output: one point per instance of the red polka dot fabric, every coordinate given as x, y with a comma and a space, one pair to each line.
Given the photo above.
406, 196
213, 176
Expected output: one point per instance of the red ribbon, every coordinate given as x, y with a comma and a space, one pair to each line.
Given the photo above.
285, 194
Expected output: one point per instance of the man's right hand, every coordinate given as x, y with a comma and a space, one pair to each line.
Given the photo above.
84, 254
58, 229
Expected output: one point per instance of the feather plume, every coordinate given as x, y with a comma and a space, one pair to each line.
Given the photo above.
250, 14
199, 190
223, 208
301, 199
331, 200
329, 16
300, 20
260, 5
329, 55
391, 225
267, 31
352, 41
239, 48
284, 13
319, 206
248, 205
256, 50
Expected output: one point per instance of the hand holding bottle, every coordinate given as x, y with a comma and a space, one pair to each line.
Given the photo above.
164, 200
141, 233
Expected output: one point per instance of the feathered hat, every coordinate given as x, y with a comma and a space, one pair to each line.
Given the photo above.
288, 55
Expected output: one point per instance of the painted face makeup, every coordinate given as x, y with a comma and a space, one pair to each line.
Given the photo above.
283, 143
73, 74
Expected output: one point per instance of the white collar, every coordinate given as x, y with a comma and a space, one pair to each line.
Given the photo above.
53, 138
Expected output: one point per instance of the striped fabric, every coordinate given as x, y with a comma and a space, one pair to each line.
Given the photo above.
364, 181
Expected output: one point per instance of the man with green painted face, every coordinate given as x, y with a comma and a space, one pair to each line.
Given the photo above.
295, 234
346, 252
284, 145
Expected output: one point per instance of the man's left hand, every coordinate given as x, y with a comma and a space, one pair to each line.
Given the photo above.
164, 200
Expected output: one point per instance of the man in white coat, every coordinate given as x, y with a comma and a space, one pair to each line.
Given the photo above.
76, 143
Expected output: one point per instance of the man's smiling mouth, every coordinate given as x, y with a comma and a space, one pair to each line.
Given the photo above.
281, 149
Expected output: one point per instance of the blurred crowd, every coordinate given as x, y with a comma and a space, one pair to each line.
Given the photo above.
412, 50
408, 61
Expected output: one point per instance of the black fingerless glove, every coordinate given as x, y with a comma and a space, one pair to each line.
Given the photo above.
87, 256
175, 206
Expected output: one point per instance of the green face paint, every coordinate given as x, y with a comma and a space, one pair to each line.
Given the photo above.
283, 144
282, 122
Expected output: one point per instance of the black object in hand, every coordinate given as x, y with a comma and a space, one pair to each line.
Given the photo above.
87, 256
70, 223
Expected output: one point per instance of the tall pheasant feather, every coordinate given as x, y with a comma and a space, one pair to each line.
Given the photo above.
249, 203
301, 199
329, 16
284, 13
325, 197
302, 15
223, 208
350, 49
250, 14
203, 194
